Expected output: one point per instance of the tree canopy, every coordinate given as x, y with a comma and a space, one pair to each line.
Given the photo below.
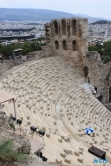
104, 50
101, 22
27, 46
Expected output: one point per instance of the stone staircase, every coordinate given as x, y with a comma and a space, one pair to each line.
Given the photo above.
89, 87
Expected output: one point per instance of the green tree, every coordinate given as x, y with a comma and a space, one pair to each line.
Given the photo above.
104, 50
27, 46
7, 50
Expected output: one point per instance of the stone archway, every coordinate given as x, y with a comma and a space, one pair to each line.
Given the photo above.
74, 45
63, 22
73, 27
68, 30
80, 31
56, 27
56, 45
64, 45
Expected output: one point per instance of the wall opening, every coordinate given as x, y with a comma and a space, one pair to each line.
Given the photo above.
110, 94
64, 45
100, 98
80, 32
73, 27
96, 89
89, 80
56, 27
68, 29
85, 70
56, 45
63, 27
74, 45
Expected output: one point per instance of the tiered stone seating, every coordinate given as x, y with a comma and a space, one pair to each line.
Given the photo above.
50, 97
82, 116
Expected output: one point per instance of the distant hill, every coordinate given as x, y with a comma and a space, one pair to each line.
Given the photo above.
37, 15
31, 14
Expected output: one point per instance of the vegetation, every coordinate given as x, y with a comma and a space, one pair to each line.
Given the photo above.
100, 22
104, 50
12, 126
107, 77
8, 155
27, 46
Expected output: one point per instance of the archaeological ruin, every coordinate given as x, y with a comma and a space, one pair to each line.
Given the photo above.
69, 38
57, 97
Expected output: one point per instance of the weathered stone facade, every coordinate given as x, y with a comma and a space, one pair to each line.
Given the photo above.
99, 74
69, 38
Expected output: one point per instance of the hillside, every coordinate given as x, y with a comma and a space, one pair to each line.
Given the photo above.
37, 15
31, 14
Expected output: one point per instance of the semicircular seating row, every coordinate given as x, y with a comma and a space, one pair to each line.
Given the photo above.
49, 97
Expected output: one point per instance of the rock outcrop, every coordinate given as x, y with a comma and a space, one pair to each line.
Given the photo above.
20, 143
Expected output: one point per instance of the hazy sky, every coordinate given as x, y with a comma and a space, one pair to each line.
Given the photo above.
96, 8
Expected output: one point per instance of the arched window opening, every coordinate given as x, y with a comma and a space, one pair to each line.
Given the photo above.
73, 27
80, 32
56, 45
64, 45
74, 45
63, 27
110, 94
68, 29
56, 27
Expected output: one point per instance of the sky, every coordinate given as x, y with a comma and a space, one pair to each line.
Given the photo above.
95, 8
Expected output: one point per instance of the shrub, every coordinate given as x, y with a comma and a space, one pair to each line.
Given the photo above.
12, 126
8, 155
104, 50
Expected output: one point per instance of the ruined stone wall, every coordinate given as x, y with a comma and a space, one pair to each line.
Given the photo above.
99, 74
107, 81
69, 38
8, 64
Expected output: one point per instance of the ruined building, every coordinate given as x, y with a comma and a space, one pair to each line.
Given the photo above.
69, 38
51, 99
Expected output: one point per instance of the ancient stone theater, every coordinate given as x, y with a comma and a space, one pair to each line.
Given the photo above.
57, 97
